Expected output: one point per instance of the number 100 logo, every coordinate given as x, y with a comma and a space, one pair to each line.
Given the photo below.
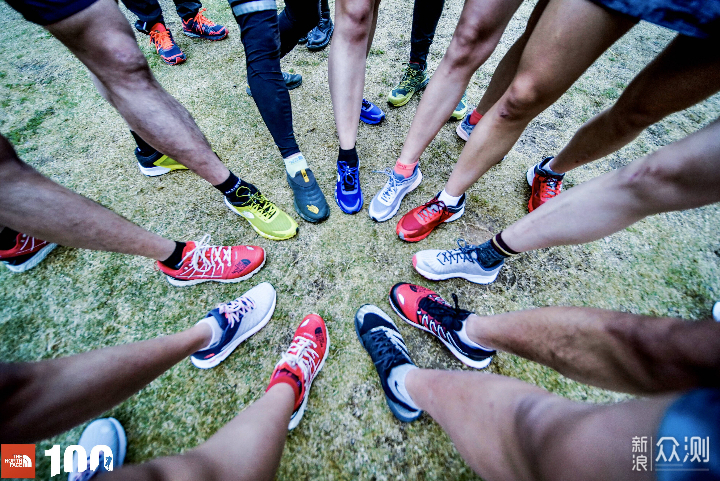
82, 458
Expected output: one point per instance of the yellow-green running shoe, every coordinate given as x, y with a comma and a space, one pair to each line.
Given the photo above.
461, 109
413, 80
264, 216
156, 164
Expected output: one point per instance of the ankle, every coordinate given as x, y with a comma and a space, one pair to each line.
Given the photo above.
475, 117
450, 200
349, 156
406, 170
295, 163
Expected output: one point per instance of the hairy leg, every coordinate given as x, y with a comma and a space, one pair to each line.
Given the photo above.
33, 204
685, 73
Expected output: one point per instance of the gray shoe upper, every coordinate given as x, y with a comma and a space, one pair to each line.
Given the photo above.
387, 201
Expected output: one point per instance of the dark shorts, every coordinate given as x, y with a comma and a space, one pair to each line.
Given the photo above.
696, 18
45, 12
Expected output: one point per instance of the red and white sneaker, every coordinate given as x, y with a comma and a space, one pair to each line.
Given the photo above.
302, 362
26, 254
544, 186
202, 262
421, 221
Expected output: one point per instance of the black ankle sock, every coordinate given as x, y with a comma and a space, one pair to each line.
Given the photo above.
175, 259
233, 189
544, 167
493, 251
143, 147
349, 156
8, 238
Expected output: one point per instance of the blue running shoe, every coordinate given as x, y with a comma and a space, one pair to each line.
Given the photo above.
347, 190
371, 113
465, 128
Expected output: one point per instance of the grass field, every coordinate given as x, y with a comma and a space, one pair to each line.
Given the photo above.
667, 265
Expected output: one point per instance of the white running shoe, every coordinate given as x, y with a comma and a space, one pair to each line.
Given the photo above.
387, 201
439, 265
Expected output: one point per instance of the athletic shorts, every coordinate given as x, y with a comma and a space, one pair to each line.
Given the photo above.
695, 18
45, 12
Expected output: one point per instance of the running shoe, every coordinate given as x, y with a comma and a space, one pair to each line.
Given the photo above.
465, 128
387, 201
304, 39
426, 310
26, 253
371, 113
319, 37
461, 109
545, 186
101, 432
310, 203
162, 40
202, 27
462, 262
264, 216
303, 361
235, 321
202, 262
348, 194
292, 81
156, 163
420, 222
414, 79
380, 337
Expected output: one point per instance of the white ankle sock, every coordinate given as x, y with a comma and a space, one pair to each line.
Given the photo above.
449, 200
216, 331
462, 334
295, 163
396, 381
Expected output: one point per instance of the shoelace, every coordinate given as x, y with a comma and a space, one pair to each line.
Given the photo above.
204, 257
549, 187
409, 78
300, 354
461, 254
161, 39
431, 209
263, 205
204, 23
349, 177
237, 308
387, 349
391, 186
366, 105
450, 317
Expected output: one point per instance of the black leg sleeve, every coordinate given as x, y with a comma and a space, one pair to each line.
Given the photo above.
147, 11
426, 15
187, 8
298, 18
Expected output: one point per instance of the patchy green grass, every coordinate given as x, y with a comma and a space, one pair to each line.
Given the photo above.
79, 300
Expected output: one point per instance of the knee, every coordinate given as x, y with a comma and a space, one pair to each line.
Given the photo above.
523, 98
472, 44
647, 177
124, 63
353, 22
631, 119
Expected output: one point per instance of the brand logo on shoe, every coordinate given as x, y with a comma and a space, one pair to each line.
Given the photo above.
247, 215
313, 209
320, 336
241, 266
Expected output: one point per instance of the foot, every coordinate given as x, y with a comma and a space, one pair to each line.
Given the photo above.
428, 311
461, 109
292, 81
348, 194
302, 362
26, 253
162, 40
156, 163
264, 217
462, 262
310, 203
387, 201
202, 27
319, 37
413, 80
420, 222
380, 337
371, 113
202, 262
465, 128
233, 322
304, 39
106, 432
545, 185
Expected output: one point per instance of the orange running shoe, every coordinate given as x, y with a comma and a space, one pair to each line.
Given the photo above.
202, 27
420, 222
26, 254
202, 262
545, 186
161, 39
302, 362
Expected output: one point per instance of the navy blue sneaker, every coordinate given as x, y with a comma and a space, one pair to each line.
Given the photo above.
347, 190
235, 321
380, 337
371, 113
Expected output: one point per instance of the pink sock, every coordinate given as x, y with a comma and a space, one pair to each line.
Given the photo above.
404, 169
475, 117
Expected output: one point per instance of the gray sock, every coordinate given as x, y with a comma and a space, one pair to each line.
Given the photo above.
396, 381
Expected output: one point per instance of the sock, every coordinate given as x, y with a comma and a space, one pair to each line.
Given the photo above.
396, 382
350, 157
295, 163
449, 200
404, 169
232, 185
494, 251
475, 117
144, 148
8, 238
216, 331
175, 259
547, 170
285, 376
462, 334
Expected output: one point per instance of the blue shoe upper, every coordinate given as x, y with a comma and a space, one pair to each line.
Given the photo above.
348, 194
371, 113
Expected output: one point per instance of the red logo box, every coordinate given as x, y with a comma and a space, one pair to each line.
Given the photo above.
17, 461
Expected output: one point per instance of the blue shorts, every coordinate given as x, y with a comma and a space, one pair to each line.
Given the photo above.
45, 12
695, 18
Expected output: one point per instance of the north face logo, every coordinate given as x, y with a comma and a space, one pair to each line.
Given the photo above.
320, 336
241, 267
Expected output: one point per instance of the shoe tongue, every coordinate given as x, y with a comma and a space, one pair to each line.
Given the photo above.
159, 27
221, 319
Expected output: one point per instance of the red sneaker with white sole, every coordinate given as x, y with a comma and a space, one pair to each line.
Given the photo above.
26, 254
421, 221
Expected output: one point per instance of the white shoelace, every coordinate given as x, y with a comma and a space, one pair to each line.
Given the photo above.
300, 354
389, 191
233, 310
218, 256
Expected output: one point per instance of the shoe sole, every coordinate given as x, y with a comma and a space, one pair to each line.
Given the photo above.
324, 44
474, 278
122, 443
156, 171
362, 203
461, 133
397, 207
464, 359
234, 344
459, 114
205, 37
295, 420
261, 233
181, 283
454, 217
33, 261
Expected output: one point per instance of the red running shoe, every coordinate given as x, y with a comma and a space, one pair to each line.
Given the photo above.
202, 262
26, 254
544, 186
302, 362
161, 39
202, 27
420, 222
